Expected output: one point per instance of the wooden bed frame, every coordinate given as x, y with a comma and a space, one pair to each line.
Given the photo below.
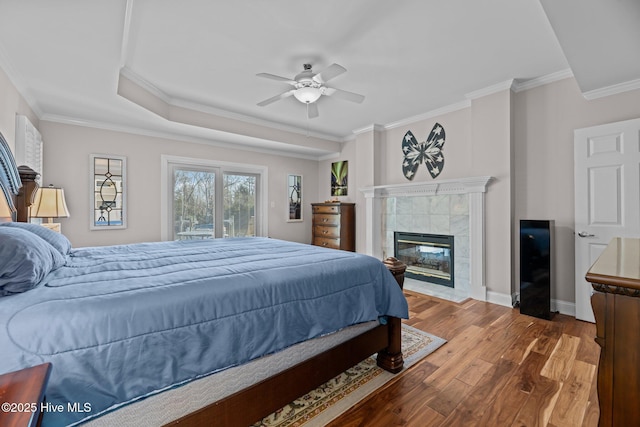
259, 400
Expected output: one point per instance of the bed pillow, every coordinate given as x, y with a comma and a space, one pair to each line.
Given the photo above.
25, 260
57, 240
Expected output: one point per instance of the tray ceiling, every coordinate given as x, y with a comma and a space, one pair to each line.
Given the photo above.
407, 57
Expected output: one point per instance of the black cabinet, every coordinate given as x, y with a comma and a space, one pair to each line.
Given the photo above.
536, 267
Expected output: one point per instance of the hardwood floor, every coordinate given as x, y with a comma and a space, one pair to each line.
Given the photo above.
498, 368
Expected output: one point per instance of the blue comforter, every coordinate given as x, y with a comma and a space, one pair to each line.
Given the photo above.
123, 322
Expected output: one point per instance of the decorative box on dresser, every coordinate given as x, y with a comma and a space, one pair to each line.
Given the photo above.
615, 278
334, 225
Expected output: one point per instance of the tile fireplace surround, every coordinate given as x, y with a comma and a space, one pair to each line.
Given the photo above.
453, 206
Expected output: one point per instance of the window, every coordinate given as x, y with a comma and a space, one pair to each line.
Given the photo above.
207, 199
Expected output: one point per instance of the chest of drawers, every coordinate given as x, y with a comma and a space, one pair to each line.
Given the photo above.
334, 225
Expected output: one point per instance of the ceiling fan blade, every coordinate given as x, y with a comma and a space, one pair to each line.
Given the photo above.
343, 94
312, 110
276, 98
278, 78
334, 70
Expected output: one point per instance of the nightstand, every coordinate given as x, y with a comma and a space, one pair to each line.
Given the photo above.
22, 394
54, 226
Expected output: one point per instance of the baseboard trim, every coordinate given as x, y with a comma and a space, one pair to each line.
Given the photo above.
499, 298
563, 307
557, 306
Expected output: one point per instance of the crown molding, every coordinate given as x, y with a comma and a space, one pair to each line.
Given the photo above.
429, 115
523, 85
208, 109
612, 90
511, 84
216, 140
183, 103
371, 128
145, 84
331, 156
490, 90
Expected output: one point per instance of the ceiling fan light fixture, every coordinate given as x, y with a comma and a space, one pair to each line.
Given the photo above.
308, 87
307, 95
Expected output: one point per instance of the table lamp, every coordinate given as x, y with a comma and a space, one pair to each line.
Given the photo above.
49, 203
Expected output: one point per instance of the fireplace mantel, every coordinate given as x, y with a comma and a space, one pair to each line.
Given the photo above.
474, 187
444, 186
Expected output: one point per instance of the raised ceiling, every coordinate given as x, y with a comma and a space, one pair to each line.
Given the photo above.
70, 57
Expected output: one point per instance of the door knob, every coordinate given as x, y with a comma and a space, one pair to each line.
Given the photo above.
585, 234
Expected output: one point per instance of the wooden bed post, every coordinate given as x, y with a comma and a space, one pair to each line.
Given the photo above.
27, 192
391, 359
397, 268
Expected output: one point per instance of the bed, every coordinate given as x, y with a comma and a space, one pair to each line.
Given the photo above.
123, 325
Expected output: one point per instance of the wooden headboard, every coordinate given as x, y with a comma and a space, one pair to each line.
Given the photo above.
18, 186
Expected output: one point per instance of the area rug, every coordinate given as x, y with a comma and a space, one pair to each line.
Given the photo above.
333, 398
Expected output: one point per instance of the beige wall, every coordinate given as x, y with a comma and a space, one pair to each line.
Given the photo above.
66, 153
545, 118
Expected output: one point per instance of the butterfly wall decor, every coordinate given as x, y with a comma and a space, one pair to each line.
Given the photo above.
428, 152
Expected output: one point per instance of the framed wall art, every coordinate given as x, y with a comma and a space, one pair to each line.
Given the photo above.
108, 192
339, 178
428, 152
294, 198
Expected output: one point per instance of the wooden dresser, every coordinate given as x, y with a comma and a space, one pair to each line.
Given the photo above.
615, 277
334, 225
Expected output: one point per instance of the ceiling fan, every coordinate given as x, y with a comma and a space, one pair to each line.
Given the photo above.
308, 87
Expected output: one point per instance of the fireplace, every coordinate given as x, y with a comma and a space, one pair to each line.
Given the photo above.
460, 208
429, 257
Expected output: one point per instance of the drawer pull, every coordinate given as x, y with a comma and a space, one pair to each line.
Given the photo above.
325, 219
325, 231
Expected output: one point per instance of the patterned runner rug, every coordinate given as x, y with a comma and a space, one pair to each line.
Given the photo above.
336, 396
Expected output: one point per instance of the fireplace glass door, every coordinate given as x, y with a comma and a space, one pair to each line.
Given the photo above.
429, 257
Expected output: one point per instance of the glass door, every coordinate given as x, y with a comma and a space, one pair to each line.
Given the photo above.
240, 204
194, 203
204, 199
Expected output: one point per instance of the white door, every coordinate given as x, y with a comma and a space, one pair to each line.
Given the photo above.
607, 196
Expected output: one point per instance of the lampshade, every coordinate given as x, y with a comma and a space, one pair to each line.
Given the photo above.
49, 203
307, 94
5, 211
